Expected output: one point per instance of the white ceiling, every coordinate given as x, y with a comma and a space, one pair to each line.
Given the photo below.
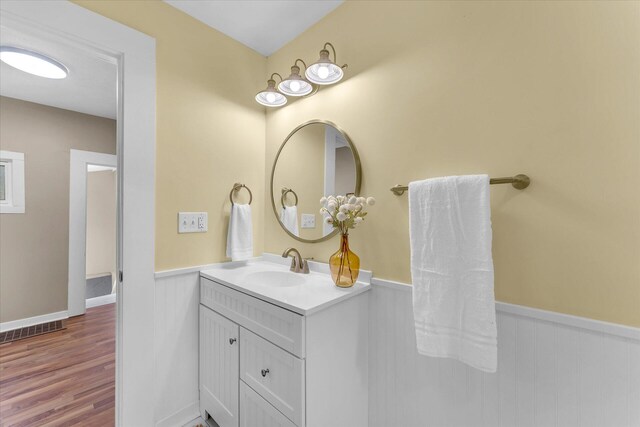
89, 88
263, 25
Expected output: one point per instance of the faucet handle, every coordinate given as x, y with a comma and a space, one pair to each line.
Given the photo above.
294, 266
305, 266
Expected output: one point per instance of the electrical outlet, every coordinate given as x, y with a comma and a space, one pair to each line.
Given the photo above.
192, 222
308, 221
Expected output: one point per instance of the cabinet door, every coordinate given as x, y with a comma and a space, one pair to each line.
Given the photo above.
219, 368
255, 411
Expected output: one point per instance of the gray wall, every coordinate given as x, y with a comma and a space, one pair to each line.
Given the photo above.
34, 246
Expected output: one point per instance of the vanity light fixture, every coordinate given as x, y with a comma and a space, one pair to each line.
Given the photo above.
295, 84
33, 62
325, 71
322, 72
270, 97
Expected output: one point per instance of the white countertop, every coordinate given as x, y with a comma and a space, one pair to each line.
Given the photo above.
305, 294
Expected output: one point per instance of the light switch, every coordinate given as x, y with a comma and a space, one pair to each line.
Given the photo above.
308, 221
192, 222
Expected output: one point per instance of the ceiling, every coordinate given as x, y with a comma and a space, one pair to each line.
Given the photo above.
264, 26
89, 88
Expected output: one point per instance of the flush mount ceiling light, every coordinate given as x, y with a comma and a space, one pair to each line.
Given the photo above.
33, 62
295, 84
270, 97
325, 71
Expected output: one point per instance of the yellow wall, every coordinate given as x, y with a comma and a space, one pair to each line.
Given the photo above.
550, 89
210, 131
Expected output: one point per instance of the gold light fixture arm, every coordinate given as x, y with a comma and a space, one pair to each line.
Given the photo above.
335, 58
276, 74
303, 63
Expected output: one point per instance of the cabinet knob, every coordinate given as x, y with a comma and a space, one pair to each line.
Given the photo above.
232, 340
264, 372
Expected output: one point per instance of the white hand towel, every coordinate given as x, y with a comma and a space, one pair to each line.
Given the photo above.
452, 270
240, 233
289, 218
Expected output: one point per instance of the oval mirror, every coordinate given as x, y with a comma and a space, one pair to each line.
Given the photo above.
317, 159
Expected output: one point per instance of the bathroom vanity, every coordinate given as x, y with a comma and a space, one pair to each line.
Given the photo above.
279, 348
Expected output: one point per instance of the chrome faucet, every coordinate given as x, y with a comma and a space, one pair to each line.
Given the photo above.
298, 264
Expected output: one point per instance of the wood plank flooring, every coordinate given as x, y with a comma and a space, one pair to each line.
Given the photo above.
63, 378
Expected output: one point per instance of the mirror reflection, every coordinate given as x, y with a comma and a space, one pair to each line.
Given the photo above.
317, 159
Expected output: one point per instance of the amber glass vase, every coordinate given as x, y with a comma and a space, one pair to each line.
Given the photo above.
344, 264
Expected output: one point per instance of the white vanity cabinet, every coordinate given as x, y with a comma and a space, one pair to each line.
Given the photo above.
264, 365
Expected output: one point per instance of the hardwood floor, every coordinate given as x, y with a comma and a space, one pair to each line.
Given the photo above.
64, 378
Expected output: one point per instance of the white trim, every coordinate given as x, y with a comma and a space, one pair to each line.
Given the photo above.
30, 321
135, 55
186, 270
181, 417
77, 286
14, 180
101, 300
623, 331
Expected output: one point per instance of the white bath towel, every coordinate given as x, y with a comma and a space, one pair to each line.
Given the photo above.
452, 269
289, 218
240, 233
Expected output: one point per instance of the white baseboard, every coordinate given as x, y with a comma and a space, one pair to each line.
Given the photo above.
180, 418
103, 300
30, 321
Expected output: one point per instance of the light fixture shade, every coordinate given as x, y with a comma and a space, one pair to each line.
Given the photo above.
295, 85
324, 71
33, 62
270, 97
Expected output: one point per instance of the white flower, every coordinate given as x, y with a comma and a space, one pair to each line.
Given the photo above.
323, 200
362, 200
328, 220
340, 199
323, 210
358, 220
343, 208
331, 206
371, 201
353, 200
341, 216
359, 206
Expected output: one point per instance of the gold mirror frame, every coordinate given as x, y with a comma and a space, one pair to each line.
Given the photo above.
356, 159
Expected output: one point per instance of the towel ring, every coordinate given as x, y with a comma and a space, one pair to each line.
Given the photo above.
285, 191
236, 187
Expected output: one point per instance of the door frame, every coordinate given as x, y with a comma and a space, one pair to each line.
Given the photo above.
79, 160
135, 56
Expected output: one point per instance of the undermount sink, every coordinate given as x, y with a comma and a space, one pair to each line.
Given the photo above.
281, 279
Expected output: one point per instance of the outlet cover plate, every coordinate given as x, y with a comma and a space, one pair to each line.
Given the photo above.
193, 222
308, 221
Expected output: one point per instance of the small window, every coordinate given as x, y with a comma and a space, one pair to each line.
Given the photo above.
3, 184
11, 182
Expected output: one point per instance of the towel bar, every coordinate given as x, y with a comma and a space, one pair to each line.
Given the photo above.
519, 182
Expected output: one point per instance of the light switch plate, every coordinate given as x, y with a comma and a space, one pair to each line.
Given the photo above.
308, 221
193, 222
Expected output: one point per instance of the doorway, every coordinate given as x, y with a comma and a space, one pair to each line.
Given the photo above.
115, 43
81, 233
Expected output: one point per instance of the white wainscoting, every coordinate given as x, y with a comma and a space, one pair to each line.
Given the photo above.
553, 370
176, 347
